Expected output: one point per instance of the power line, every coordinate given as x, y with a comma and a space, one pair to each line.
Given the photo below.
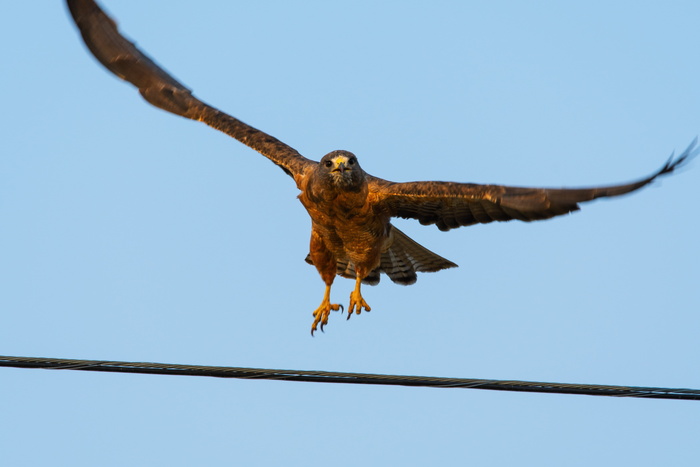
347, 378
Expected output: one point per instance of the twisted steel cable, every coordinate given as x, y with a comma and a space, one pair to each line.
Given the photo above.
347, 378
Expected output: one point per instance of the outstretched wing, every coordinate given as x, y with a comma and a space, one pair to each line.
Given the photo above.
122, 58
451, 205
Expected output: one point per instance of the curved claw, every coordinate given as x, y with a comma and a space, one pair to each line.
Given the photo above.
357, 303
321, 314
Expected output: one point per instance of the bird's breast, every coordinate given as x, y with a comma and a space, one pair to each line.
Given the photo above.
347, 221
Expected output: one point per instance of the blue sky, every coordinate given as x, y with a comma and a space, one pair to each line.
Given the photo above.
131, 234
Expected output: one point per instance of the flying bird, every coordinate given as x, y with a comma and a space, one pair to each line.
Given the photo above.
351, 210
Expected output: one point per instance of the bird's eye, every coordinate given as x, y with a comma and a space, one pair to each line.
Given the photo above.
328, 164
352, 161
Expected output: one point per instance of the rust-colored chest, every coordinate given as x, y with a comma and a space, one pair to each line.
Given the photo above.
349, 221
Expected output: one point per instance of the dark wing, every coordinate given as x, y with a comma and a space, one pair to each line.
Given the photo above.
122, 58
450, 205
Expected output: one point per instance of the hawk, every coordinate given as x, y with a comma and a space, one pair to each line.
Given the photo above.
351, 210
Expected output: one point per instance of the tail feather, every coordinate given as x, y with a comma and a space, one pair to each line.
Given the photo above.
405, 257
401, 261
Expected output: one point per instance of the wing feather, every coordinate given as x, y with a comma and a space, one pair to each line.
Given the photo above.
159, 88
450, 205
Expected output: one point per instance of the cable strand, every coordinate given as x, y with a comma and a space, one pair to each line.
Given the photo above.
348, 378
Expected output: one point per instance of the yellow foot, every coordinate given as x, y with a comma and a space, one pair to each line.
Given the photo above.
357, 303
322, 312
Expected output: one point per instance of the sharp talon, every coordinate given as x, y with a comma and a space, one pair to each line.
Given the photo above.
357, 303
321, 313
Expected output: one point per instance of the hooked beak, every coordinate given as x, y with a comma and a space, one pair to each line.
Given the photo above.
341, 165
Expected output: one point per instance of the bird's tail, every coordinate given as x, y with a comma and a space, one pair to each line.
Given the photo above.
401, 262
405, 258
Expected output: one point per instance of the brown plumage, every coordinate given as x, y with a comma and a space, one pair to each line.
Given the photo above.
351, 233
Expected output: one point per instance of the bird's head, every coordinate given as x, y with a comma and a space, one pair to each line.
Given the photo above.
341, 169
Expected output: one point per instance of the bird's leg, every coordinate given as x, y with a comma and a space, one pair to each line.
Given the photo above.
357, 303
322, 312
